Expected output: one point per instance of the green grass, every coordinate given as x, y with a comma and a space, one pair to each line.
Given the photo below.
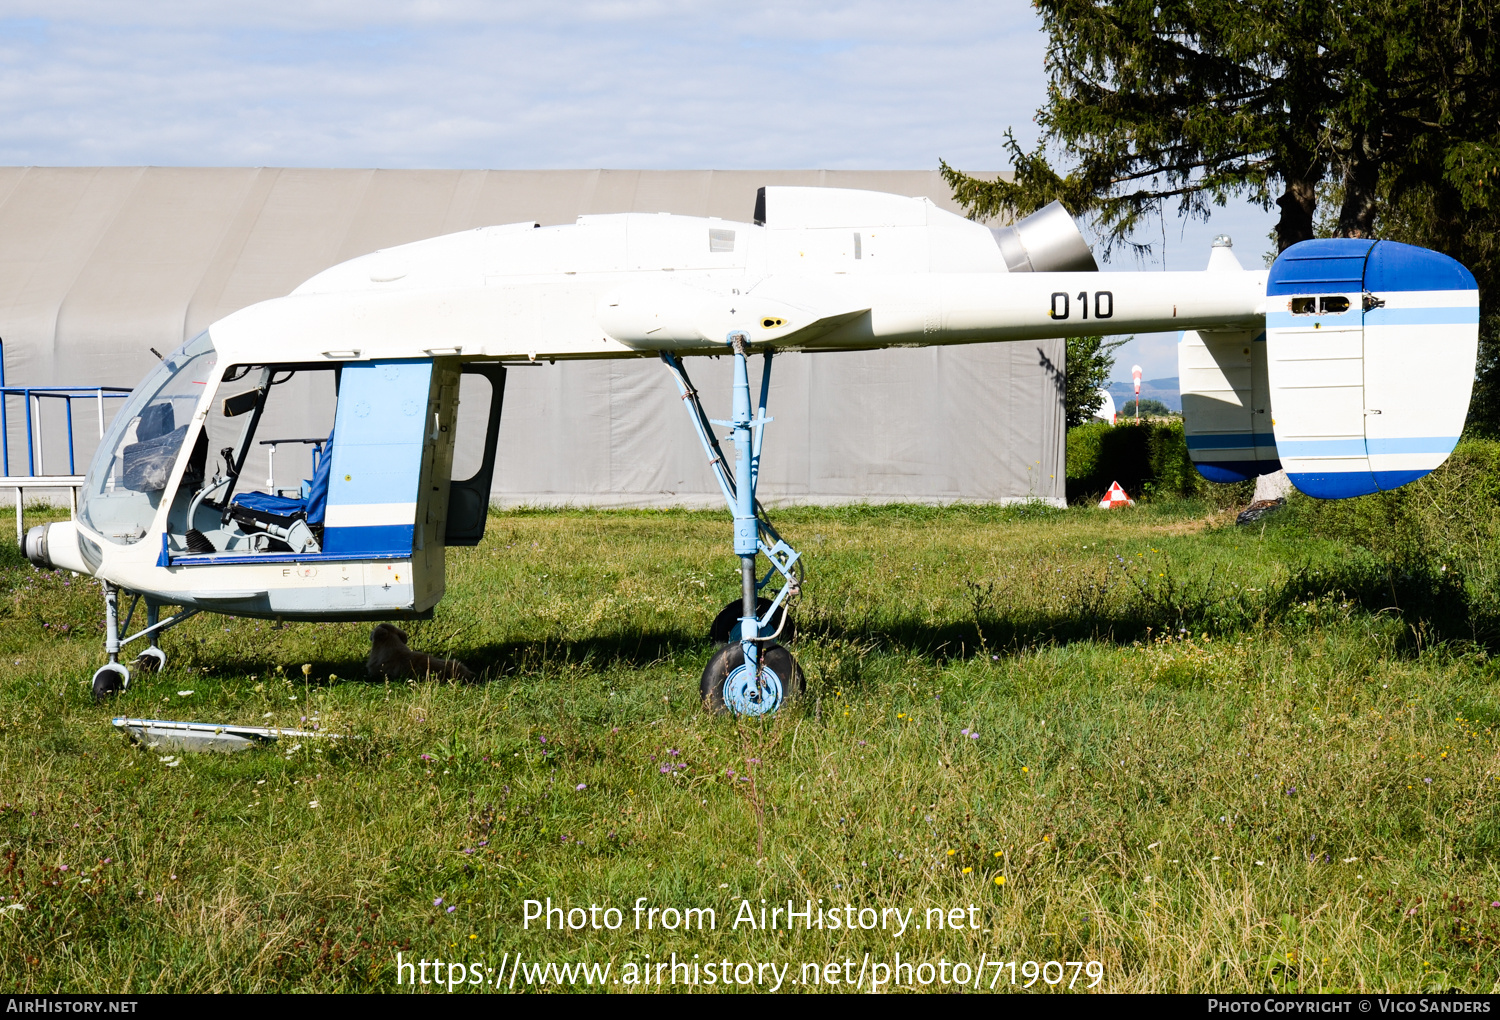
1211, 758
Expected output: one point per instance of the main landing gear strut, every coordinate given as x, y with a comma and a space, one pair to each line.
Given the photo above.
114, 676
750, 674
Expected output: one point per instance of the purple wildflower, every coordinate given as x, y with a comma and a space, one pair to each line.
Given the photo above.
438, 902
581, 786
451, 909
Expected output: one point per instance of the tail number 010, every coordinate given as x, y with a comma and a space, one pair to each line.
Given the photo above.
1104, 304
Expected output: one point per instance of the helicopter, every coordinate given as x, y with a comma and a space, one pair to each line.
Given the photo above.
1349, 362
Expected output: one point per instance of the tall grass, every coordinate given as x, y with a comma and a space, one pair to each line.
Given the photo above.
1209, 757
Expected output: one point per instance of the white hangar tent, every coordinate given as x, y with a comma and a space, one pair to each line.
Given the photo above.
99, 265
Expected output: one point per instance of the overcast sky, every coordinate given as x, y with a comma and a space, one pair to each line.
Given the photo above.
650, 84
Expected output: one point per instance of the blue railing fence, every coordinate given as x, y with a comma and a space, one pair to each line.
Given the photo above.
63, 407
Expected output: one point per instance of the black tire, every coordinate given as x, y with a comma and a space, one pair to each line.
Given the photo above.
730, 657
151, 660
718, 633
109, 681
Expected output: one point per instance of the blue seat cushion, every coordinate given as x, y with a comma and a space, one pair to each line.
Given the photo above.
264, 502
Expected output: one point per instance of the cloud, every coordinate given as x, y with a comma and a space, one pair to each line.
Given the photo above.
446, 83
663, 84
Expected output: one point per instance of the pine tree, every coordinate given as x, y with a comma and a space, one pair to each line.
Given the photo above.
1196, 101
1389, 110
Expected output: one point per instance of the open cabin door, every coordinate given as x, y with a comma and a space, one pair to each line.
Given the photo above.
392, 455
469, 499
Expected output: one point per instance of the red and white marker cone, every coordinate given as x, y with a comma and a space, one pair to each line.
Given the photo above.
1115, 497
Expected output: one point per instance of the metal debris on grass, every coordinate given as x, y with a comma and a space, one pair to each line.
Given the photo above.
198, 736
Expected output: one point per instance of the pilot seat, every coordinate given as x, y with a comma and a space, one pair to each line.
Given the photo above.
286, 523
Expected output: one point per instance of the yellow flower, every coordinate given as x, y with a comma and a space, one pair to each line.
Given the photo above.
998, 852
999, 879
1025, 769
967, 870
952, 852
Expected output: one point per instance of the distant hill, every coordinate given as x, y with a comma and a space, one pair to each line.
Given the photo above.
1164, 390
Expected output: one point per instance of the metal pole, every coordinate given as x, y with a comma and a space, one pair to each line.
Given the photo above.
4, 427
746, 533
112, 621
30, 443
68, 403
20, 523
153, 620
760, 433
101, 413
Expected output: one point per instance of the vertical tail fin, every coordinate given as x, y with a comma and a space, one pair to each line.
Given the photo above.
1225, 395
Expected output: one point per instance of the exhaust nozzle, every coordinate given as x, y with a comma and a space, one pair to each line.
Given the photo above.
1047, 241
35, 547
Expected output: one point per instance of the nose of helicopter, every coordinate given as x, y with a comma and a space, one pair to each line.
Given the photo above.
56, 546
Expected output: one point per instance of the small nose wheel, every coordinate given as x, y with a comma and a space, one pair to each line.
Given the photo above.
731, 685
151, 660
111, 679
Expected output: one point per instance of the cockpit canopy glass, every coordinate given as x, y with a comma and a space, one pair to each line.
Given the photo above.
134, 462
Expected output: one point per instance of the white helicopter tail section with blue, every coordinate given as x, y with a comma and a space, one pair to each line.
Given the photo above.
1359, 382
1371, 346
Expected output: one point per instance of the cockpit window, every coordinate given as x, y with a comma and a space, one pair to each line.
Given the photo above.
134, 462
1332, 304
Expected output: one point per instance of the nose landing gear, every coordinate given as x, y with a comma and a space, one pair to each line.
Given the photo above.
114, 677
